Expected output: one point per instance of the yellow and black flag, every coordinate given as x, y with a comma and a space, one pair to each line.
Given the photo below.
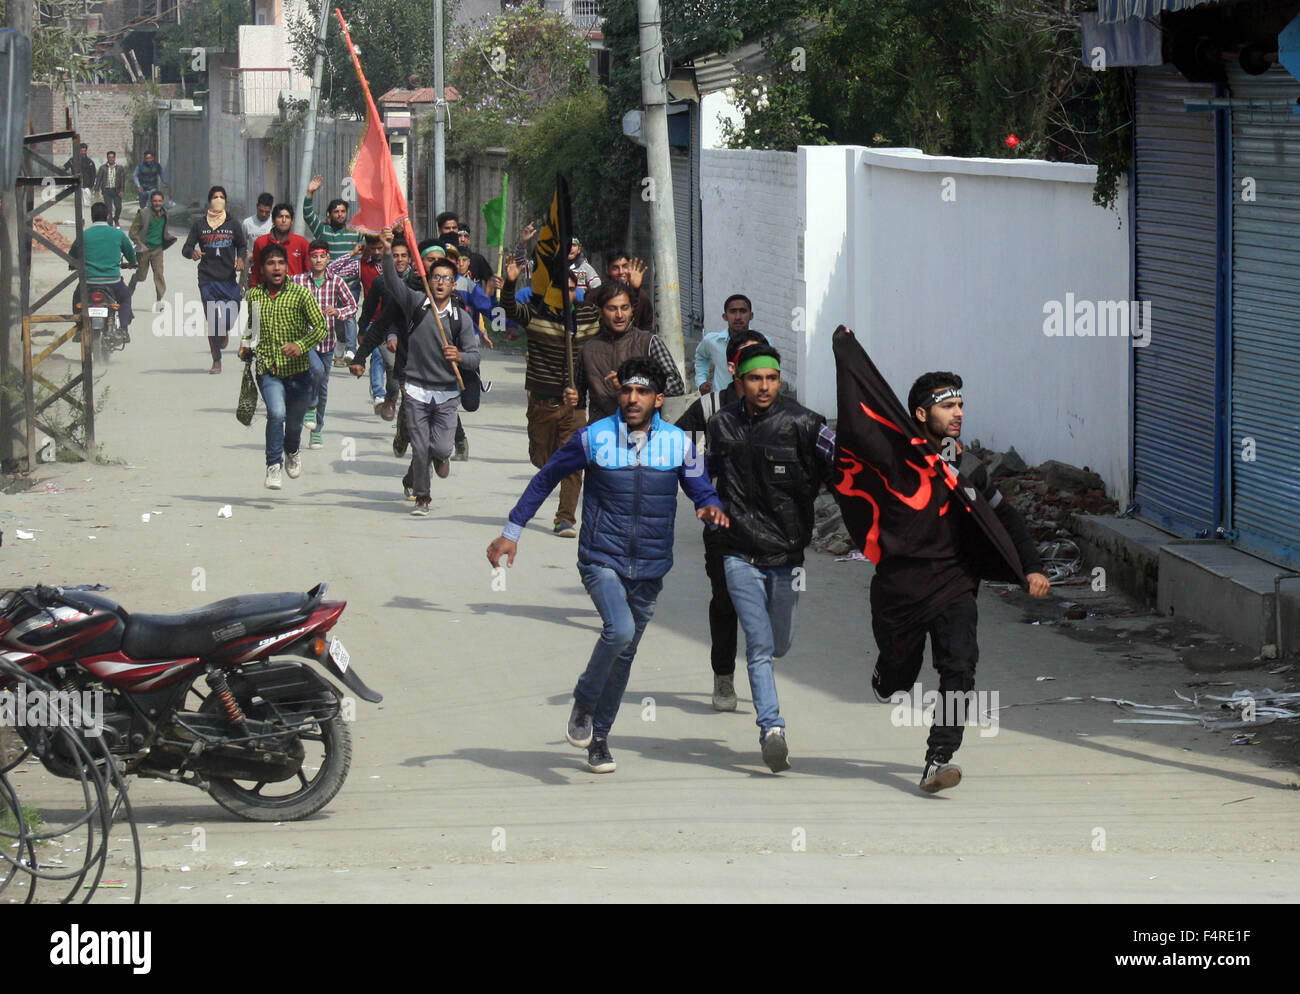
551, 256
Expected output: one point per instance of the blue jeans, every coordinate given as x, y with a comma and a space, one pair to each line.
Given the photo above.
286, 403
764, 598
349, 341
321, 363
378, 375
625, 607
221, 306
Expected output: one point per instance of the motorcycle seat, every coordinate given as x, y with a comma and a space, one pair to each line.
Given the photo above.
203, 630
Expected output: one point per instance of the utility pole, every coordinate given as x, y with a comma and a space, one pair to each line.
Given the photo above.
439, 118
663, 228
313, 106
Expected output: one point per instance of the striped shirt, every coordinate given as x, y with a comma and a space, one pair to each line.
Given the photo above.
340, 240
547, 371
330, 292
292, 315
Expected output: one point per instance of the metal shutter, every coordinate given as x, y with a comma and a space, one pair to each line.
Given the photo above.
1265, 316
1175, 444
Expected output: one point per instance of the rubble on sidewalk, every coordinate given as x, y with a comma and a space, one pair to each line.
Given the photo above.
1046, 497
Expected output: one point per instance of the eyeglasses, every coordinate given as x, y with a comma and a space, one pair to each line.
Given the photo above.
442, 279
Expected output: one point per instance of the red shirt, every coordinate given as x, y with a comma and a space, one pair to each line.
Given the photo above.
295, 250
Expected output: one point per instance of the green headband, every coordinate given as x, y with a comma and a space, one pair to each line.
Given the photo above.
758, 362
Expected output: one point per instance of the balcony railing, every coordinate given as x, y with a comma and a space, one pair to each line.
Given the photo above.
254, 92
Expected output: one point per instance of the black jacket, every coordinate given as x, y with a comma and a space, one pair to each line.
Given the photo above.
767, 470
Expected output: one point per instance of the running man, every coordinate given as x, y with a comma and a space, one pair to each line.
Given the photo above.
334, 230
431, 388
926, 582
216, 243
768, 457
288, 323
634, 462
722, 614
149, 233
337, 304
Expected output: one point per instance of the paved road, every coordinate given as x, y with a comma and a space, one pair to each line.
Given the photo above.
462, 788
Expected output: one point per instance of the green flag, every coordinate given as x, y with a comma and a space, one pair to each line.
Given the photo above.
494, 214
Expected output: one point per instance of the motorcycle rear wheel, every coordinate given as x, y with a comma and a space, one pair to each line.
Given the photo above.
247, 799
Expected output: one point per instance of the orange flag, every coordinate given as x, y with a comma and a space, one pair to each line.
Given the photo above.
380, 203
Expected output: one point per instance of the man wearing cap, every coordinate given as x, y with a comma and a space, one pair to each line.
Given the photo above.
768, 457
634, 462
588, 279
925, 584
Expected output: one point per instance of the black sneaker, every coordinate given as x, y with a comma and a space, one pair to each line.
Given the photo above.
578, 731
421, 508
881, 696
776, 753
598, 758
939, 774
462, 451
408, 490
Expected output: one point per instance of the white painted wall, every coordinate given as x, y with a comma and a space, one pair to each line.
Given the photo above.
928, 283
750, 241
962, 285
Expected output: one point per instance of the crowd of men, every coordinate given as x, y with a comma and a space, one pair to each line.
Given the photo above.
751, 459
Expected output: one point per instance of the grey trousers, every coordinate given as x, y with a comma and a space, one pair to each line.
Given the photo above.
432, 430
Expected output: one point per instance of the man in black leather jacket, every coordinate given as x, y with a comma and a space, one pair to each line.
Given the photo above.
769, 456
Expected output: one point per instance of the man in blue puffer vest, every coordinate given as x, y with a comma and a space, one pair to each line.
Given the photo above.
634, 462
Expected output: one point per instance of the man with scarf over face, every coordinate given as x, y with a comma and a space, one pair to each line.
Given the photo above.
216, 243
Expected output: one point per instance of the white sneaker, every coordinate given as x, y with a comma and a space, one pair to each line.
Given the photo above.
273, 477
348, 356
293, 464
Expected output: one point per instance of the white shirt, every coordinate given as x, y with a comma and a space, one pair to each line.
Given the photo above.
255, 229
423, 394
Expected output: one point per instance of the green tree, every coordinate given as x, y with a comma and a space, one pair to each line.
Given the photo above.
207, 24
394, 40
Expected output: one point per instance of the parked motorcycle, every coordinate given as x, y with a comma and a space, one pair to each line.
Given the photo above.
211, 697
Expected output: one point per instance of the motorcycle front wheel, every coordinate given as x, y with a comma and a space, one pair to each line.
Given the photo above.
327, 756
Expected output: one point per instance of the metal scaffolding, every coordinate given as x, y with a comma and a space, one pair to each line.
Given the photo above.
67, 184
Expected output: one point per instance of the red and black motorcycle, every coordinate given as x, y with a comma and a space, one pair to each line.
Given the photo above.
198, 697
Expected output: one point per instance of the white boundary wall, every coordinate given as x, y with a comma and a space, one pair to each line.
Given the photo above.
750, 242
961, 283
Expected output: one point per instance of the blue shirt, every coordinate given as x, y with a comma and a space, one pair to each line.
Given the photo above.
711, 354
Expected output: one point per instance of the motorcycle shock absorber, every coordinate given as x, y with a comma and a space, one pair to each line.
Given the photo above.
217, 681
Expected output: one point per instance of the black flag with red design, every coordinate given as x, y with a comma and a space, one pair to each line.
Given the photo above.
889, 477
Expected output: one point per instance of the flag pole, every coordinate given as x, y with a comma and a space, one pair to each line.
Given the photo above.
406, 222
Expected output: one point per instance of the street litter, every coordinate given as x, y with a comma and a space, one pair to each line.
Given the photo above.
853, 557
22, 534
1244, 739
89, 586
1244, 709
1061, 559
145, 517
1240, 799
224, 511
1042, 678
